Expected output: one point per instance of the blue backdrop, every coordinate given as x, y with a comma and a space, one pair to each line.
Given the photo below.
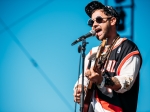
38, 65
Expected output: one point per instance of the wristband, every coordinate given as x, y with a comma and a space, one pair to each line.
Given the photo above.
108, 81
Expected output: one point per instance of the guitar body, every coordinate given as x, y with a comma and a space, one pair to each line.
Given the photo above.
88, 98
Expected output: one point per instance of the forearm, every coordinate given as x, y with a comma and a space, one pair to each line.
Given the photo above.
128, 74
115, 84
123, 82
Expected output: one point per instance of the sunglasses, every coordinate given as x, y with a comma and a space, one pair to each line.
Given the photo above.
98, 19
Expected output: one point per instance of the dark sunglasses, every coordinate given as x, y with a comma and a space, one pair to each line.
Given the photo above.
98, 19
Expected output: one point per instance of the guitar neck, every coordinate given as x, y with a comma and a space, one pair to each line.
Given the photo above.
96, 64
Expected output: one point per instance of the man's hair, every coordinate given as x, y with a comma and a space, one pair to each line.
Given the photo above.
108, 10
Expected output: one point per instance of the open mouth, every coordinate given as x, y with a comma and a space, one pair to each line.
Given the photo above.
98, 30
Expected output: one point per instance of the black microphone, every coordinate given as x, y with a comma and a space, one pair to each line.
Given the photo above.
91, 33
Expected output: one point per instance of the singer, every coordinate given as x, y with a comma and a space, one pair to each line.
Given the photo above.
115, 76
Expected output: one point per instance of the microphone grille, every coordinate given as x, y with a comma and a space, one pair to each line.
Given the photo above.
92, 32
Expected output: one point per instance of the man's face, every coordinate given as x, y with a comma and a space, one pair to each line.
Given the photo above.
102, 27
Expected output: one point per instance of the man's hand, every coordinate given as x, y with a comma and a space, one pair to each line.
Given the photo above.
77, 93
93, 76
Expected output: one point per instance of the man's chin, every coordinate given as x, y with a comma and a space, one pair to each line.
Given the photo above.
98, 38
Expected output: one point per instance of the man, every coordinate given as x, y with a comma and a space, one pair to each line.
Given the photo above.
117, 79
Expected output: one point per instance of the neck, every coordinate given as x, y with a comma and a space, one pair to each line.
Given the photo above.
111, 39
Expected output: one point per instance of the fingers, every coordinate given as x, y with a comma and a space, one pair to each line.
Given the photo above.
94, 76
77, 95
87, 73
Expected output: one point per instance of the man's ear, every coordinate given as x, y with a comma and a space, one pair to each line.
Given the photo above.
113, 21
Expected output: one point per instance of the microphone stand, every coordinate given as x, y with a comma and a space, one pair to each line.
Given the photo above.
81, 49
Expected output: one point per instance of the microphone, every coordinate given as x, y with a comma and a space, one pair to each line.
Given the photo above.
91, 33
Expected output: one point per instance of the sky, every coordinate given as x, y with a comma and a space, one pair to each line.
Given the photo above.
38, 65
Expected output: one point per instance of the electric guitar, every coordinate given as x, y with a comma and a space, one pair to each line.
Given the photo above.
97, 66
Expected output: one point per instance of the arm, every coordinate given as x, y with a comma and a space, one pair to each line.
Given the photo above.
78, 85
127, 76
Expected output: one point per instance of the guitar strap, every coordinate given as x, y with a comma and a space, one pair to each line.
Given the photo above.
109, 51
